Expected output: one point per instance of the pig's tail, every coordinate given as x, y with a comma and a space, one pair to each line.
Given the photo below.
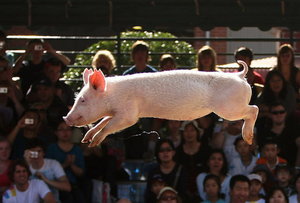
143, 134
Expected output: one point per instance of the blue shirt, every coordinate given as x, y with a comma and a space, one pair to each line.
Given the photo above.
55, 152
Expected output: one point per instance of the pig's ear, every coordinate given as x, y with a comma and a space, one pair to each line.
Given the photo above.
97, 80
86, 74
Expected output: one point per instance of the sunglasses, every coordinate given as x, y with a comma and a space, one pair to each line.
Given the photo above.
278, 112
169, 149
165, 198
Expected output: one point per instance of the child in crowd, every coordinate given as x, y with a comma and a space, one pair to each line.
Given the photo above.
157, 184
284, 175
245, 163
212, 187
270, 156
296, 197
168, 194
255, 188
277, 195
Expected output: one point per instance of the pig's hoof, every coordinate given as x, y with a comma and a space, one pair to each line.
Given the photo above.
248, 139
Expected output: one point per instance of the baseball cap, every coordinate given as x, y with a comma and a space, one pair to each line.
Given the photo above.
254, 176
161, 192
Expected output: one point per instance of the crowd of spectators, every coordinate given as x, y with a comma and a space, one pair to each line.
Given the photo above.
204, 160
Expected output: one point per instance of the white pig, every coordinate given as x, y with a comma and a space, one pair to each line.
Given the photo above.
175, 95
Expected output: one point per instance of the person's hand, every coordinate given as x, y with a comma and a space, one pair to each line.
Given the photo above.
47, 46
21, 122
27, 156
40, 176
69, 160
29, 49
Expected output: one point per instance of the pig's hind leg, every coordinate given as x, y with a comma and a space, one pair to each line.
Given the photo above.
249, 122
116, 124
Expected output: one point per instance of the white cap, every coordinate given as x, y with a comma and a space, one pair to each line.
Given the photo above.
254, 176
164, 190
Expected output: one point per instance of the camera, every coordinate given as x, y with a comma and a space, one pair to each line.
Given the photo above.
34, 154
38, 47
3, 90
29, 121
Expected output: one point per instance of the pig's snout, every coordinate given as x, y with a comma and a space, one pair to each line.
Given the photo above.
68, 122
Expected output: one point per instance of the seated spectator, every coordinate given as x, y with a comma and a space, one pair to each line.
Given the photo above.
245, 163
28, 127
207, 123
206, 59
101, 166
3, 48
283, 130
172, 132
70, 156
140, 57
31, 71
157, 183
104, 61
255, 188
24, 190
167, 62
270, 156
286, 65
296, 197
48, 170
239, 189
276, 89
43, 92
192, 154
254, 78
216, 165
171, 172
277, 195
53, 70
168, 194
226, 137
5, 164
266, 177
212, 188
284, 177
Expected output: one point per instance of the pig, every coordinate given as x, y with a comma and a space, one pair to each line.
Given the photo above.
120, 101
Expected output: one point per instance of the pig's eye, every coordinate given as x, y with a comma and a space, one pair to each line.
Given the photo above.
82, 100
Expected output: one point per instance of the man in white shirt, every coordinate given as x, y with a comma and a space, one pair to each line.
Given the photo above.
24, 190
48, 170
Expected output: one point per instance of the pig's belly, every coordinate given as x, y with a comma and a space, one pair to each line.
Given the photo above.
182, 113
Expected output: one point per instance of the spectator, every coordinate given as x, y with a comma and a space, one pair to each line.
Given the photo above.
212, 187
239, 189
70, 156
216, 165
282, 130
296, 197
270, 156
171, 172
168, 194
3, 46
43, 92
140, 57
104, 61
226, 137
277, 195
31, 71
27, 128
245, 163
167, 62
172, 132
157, 183
284, 177
276, 89
286, 65
266, 177
53, 70
192, 154
207, 123
255, 188
254, 78
5, 164
48, 170
206, 59
24, 190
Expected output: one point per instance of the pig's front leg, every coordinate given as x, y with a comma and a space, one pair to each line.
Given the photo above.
116, 124
90, 134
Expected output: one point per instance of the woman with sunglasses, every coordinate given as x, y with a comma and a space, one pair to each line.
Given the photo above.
171, 172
